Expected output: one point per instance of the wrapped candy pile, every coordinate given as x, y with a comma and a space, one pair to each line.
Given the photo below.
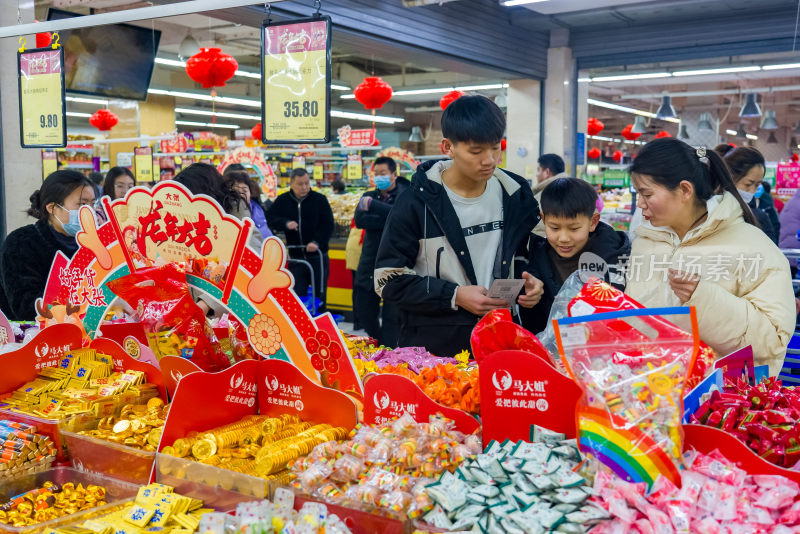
516, 488
715, 497
765, 417
385, 467
414, 358
446, 384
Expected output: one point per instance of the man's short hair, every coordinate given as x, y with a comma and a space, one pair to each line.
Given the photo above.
473, 118
389, 162
299, 171
552, 162
568, 198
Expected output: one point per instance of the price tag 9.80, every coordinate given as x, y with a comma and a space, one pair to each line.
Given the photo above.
42, 98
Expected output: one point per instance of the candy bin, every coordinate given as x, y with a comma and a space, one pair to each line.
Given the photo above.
59, 496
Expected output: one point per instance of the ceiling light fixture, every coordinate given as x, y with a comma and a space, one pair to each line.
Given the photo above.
416, 135
188, 47
704, 124
438, 90
639, 126
750, 108
769, 122
666, 111
208, 124
224, 114
609, 105
683, 133
730, 132
782, 66
512, 3
182, 64
384, 119
83, 100
76, 114
644, 76
772, 140
724, 70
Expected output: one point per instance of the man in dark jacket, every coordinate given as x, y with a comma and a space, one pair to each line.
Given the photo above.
454, 232
762, 200
307, 220
371, 215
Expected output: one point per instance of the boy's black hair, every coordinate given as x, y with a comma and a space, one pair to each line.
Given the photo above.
389, 162
552, 162
473, 118
568, 198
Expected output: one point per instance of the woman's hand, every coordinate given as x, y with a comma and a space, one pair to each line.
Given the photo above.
683, 284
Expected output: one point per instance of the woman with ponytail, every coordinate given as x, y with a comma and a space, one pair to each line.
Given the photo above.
700, 246
28, 252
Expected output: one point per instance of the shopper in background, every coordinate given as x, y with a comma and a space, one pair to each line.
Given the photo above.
551, 166
306, 218
699, 246
747, 168
352, 256
27, 254
790, 223
119, 180
572, 223
97, 180
241, 183
723, 149
454, 232
371, 214
778, 203
338, 187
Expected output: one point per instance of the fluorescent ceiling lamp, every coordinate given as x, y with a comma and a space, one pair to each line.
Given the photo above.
752, 137
337, 87
207, 124
383, 119
725, 70
782, 66
584, 80
645, 76
76, 114
511, 3
253, 103
730, 132
609, 105
182, 64
435, 90
209, 113
614, 140
83, 100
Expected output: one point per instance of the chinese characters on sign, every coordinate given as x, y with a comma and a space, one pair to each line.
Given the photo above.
82, 288
41, 98
286, 395
191, 234
527, 394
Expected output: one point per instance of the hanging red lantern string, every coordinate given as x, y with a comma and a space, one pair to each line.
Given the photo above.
373, 92
662, 134
211, 68
43, 40
594, 153
103, 120
628, 134
594, 126
617, 156
449, 98
256, 132
795, 158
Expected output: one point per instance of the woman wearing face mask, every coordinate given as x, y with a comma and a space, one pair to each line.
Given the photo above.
699, 246
747, 168
27, 253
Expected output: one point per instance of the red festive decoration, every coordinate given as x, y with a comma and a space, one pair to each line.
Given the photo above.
211, 67
256, 132
663, 133
617, 156
43, 40
594, 153
795, 158
449, 98
103, 120
373, 92
503, 145
594, 126
628, 134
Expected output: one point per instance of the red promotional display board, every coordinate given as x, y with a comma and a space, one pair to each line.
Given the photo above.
44, 350
388, 396
173, 368
518, 390
282, 388
6, 333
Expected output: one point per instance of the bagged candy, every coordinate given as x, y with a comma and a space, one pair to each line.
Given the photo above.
174, 324
633, 377
497, 331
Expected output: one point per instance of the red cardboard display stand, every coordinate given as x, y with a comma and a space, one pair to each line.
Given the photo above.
173, 369
519, 389
388, 396
6, 333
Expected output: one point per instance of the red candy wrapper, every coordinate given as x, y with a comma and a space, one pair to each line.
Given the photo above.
497, 331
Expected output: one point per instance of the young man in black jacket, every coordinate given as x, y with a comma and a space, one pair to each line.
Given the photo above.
371, 215
307, 220
454, 232
574, 230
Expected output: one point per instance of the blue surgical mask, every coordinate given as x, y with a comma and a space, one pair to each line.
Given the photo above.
759, 191
383, 181
73, 226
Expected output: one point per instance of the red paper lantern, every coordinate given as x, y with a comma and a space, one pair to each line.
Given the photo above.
795, 158
594, 153
256, 132
594, 126
628, 134
449, 98
211, 67
103, 120
503, 145
617, 156
376, 142
43, 40
662, 133
373, 92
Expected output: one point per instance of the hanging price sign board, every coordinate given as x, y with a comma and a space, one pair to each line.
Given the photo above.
42, 98
143, 164
49, 163
296, 81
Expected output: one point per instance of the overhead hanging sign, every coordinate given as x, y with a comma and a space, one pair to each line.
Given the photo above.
143, 164
296, 81
42, 98
354, 167
49, 163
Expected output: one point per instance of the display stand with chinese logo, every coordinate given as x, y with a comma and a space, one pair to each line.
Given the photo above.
42, 96
169, 224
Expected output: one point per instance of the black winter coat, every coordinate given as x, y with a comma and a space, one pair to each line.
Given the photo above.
423, 257
313, 215
766, 205
25, 259
374, 221
605, 242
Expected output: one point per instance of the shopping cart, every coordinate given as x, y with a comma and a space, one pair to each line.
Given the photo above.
307, 264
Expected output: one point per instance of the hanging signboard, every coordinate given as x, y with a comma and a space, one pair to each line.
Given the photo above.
42, 98
143, 164
296, 81
49, 163
354, 167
